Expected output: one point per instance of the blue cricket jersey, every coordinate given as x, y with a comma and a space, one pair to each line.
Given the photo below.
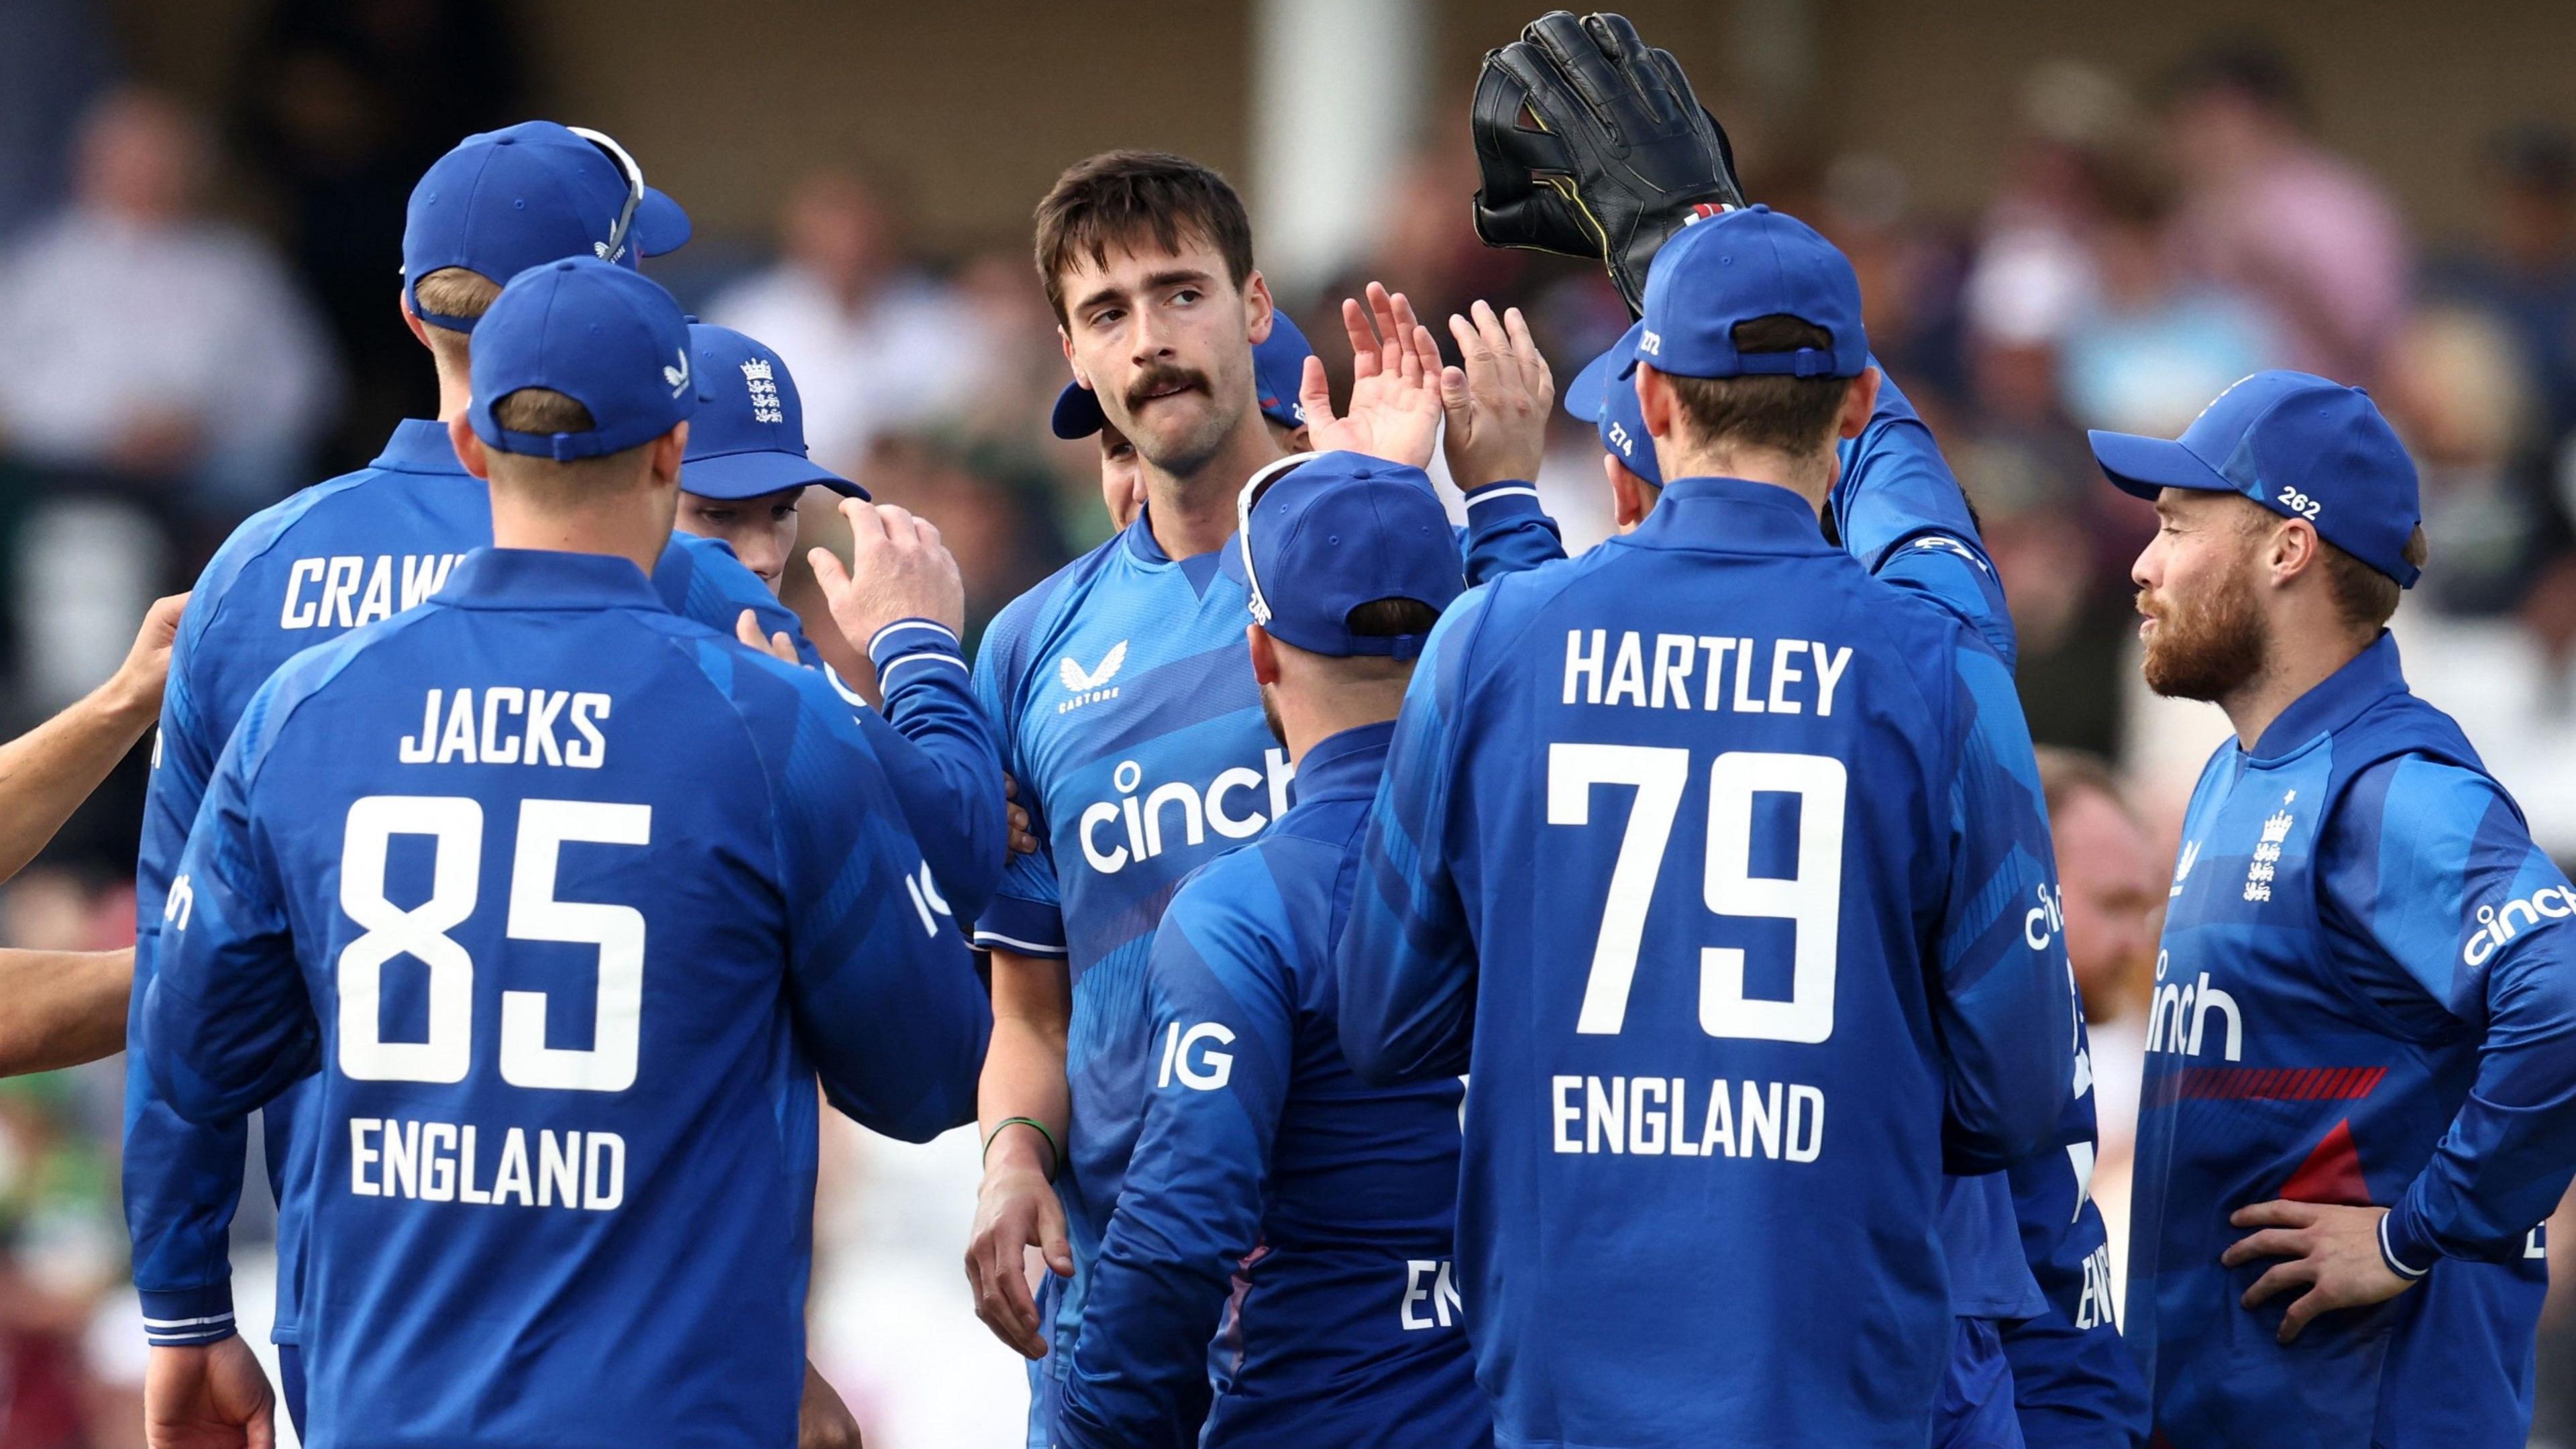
351, 551
2366, 994
1122, 696
1271, 1188
1703, 1206
559, 1009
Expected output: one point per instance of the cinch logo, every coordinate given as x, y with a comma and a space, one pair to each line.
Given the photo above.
1085, 685
1111, 849
2042, 922
2495, 927
2180, 1015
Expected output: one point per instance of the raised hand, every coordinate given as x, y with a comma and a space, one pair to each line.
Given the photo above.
1497, 404
1395, 385
898, 570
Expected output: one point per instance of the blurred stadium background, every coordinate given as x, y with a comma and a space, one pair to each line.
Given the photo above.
2066, 214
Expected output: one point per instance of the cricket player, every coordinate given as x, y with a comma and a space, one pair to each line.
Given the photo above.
1278, 371
1124, 703
532, 1083
1710, 1211
745, 472
350, 551
2048, 1372
62, 1008
2360, 1097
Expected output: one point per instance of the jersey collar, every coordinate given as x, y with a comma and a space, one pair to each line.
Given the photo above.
1736, 514
1200, 568
2338, 699
419, 445
531, 578
1344, 766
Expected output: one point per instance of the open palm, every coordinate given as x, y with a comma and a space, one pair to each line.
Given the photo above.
1394, 411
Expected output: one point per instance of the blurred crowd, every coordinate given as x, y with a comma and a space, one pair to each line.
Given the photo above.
197, 315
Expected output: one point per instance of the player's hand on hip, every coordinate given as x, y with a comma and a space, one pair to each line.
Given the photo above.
1015, 1210
2331, 1251
898, 570
822, 1420
208, 1396
136, 685
1497, 404
1395, 385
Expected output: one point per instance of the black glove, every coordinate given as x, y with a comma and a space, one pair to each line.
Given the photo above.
1621, 155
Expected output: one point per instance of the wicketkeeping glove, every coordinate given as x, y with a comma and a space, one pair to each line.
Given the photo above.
1590, 144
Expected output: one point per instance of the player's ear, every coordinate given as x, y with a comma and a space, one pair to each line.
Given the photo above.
469, 448
2292, 550
1265, 654
1860, 402
1631, 498
667, 451
1655, 400
419, 329
1259, 311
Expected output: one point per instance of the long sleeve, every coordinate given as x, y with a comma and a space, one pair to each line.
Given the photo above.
1508, 531
1899, 510
883, 990
181, 1180
228, 1021
2002, 996
1191, 1209
2076, 1385
1406, 961
939, 756
1026, 912
2428, 870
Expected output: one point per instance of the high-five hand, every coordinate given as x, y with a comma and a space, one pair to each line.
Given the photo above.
1395, 385
1497, 404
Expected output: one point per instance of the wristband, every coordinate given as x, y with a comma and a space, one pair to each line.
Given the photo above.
1055, 1154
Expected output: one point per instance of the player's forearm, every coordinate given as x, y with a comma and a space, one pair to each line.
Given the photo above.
61, 1008
930, 705
1024, 1067
47, 772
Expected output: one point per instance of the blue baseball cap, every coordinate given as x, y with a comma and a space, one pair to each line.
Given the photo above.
1737, 266
1323, 533
748, 437
606, 337
2301, 445
1278, 364
1603, 395
504, 201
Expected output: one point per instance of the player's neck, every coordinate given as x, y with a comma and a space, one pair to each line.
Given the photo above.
617, 527
2297, 661
1811, 478
455, 391
1193, 514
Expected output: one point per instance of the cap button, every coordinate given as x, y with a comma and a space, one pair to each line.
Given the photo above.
564, 266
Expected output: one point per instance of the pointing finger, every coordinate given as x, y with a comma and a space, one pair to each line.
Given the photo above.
1314, 394
1363, 341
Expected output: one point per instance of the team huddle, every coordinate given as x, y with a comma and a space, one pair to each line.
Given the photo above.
1440, 992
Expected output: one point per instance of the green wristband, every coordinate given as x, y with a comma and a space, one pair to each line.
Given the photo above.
1055, 1153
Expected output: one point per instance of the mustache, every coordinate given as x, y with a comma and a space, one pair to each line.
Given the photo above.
1162, 377
2150, 605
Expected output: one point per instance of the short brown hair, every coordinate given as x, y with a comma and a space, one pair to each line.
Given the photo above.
542, 410
1120, 198
2365, 597
1794, 415
453, 292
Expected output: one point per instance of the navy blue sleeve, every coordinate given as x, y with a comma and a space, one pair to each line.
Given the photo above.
2076, 1385
227, 1022
2003, 995
181, 1181
2428, 874
884, 992
1224, 1023
938, 753
1899, 509
699, 578
1406, 960
1507, 532
1026, 913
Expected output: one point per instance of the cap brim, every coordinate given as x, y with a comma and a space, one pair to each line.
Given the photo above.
759, 473
1583, 395
1077, 412
2142, 466
661, 227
